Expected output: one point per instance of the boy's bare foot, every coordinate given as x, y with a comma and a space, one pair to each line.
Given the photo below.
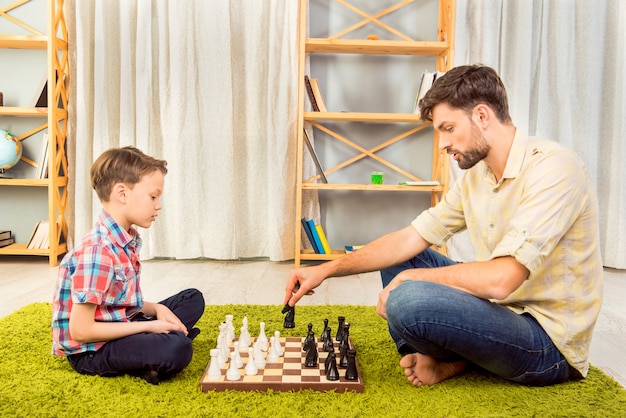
421, 369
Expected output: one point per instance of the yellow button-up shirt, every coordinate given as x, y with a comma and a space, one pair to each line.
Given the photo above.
543, 212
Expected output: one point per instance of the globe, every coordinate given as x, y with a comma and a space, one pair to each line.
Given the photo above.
10, 150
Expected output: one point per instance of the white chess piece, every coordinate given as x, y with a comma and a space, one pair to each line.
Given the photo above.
222, 355
233, 372
214, 372
244, 335
230, 329
279, 348
272, 354
251, 368
261, 341
237, 357
259, 358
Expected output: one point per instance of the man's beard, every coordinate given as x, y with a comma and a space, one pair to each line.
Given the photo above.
472, 156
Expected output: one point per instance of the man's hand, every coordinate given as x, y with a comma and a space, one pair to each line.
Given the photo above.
301, 282
381, 306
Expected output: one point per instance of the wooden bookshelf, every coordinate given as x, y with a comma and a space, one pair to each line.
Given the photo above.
55, 46
441, 49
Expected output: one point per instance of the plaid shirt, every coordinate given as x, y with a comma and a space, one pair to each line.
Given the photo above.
103, 269
544, 213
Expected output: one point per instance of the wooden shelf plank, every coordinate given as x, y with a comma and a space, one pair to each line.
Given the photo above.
378, 47
24, 41
363, 117
373, 187
24, 111
24, 182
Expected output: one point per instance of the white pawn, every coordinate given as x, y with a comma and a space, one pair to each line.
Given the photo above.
237, 357
214, 368
259, 358
272, 354
261, 340
230, 329
233, 372
222, 355
279, 348
251, 368
244, 335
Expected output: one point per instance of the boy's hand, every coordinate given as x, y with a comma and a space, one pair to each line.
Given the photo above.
163, 313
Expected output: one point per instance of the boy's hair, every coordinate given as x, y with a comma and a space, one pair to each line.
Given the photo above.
465, 87
122, 165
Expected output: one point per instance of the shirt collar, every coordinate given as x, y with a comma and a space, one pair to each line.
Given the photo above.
514, 161
117, 234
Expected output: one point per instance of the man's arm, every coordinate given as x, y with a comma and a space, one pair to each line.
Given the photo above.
492, 279
85, 329
386, 251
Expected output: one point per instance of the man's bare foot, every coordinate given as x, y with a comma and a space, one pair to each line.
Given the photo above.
421, 369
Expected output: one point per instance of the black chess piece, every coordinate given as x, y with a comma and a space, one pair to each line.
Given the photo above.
325, 333
290, 317
309, 341
328, 344
311, 359
343, 356
340, 328
332, 373
329, 359
351, 372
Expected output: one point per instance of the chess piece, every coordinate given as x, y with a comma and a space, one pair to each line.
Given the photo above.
351, 372
244, 335
230, 330
309, 340
329, 359
214, 372
272, 354
328, 344
259, 358
290, 317
332, 373
251, 368
279, 347
222, 354
261, 340
340, 328
325, 333
311, 359
233, 372
238, 359
344, 346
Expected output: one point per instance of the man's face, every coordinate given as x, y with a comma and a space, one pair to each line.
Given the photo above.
459, 136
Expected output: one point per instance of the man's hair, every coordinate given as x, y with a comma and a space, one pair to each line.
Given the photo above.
465, 87
122, 165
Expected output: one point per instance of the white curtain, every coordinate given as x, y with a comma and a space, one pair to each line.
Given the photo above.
208, 86
563, 64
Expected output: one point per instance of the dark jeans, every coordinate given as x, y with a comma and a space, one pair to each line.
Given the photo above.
167, 354
448, 324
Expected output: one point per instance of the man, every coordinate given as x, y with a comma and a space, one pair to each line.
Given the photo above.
525, 310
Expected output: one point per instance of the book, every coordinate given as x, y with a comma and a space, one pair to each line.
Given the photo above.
41, 97
307, 231
428, 78
42, 163
5, 234
316, 237
352, 248
309, 91
323, 240
7, 241
40, 236
316, 160
420, 183
317, 94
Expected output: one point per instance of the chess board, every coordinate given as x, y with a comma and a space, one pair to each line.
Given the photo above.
288, 373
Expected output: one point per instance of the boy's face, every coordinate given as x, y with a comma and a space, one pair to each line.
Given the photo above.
143, 200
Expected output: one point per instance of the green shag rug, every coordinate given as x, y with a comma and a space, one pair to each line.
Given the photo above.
34, 383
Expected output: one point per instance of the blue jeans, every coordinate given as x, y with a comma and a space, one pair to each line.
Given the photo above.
448, 324
166, 354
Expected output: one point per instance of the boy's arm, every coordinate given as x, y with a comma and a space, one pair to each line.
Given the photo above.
85, 329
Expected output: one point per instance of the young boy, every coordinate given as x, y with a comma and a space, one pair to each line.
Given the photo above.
99, 318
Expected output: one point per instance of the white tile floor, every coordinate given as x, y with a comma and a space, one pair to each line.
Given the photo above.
24, 280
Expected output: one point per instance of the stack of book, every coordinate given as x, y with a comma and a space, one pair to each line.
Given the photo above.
317, 237
6, 239
428, 78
